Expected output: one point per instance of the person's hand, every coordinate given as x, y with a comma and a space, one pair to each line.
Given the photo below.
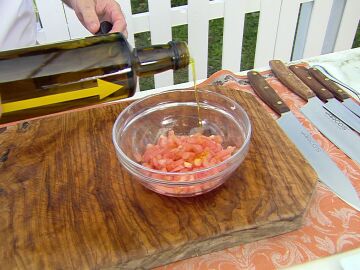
92, 12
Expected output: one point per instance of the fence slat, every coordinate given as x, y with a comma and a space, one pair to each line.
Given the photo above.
76, 29
302, 31
287, 28
198, 32
179, 14
316, 31
317, 28
160, 32
126, 9
233, 34
53, 20
266, 37
332, 30
348, 25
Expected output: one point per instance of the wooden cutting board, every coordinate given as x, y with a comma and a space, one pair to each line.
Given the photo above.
67, 203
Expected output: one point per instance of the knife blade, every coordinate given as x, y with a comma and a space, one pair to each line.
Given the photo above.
339, 93
328, 124
325, 168
332, 104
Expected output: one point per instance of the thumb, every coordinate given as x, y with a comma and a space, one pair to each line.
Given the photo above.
86, 9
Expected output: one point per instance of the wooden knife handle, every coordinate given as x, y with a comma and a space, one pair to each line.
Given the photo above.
266, 93
329, 84
309, 80
288, 78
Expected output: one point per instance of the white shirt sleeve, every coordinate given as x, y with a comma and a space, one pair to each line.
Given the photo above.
18, 24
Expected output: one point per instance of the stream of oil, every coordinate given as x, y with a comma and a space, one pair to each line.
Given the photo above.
193, 70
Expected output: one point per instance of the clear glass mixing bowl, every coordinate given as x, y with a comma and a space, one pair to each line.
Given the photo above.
145, 120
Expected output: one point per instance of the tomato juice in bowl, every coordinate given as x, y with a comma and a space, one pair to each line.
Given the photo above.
173, 115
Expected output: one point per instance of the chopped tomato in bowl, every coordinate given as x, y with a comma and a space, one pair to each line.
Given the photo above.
173, 153
154, 142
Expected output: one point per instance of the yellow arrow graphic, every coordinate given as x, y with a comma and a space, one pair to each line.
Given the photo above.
103, 89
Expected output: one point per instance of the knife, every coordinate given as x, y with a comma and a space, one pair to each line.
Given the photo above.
332, 104
325, 168
328, 124
339, 93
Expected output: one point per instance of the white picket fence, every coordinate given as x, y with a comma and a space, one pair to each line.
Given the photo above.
288, 29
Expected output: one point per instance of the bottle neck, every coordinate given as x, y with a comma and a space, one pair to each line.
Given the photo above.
159, 58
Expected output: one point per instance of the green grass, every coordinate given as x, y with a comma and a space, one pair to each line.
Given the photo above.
216, 28
215, 42
180, 33
249, 40
356, 43
144, 40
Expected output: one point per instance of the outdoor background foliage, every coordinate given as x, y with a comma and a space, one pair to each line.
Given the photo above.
215, 42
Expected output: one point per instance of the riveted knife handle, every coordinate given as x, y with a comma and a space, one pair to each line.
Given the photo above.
339, 93
288, 78
266, 93
309, 80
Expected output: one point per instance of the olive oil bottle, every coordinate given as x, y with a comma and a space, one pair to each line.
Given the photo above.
46, 79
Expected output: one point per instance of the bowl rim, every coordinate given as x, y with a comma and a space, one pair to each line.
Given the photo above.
167, 182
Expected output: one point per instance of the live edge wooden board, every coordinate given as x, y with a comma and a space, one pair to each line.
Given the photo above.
67, 203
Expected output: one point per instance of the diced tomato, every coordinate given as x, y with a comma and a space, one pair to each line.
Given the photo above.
188, 156
174, 153
149, 145
151, 152
195, 148
216, 138
175, 165
162, 141
147, 165
221, 154
138, 157
188, 165
197, 162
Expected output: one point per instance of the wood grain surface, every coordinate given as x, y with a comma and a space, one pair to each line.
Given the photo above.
339, 93
266, 92
320, 91
67, 203
290, 80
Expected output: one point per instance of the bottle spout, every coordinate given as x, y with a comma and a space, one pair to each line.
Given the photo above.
158, 58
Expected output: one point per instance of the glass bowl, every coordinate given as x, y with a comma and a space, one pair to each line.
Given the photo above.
145, 120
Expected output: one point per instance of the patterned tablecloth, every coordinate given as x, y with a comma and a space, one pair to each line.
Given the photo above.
331, 226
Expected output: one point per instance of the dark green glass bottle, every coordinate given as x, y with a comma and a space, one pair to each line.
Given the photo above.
69, 66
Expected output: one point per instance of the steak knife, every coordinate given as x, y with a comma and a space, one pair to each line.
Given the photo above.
339, 93
332, 104
328, 124
325, 168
